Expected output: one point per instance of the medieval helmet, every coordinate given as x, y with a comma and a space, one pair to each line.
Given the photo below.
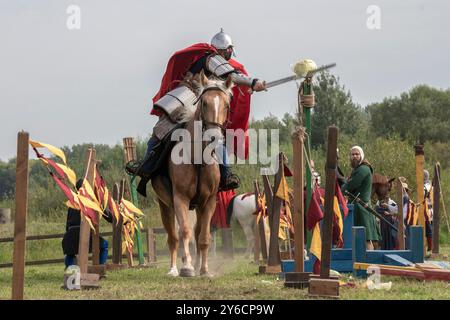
222, 41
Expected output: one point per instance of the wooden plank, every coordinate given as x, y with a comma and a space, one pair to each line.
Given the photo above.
330, 186
324, 287
299, 212
83, 247
436, 202
20, 219
401, 226
395, 259
89, 280
257, 247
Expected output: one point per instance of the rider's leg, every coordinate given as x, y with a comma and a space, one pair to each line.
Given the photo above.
142, 167
228, 180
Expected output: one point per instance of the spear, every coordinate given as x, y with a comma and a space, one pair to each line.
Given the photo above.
366, 206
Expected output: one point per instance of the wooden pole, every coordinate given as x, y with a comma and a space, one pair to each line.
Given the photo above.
130, 154
274, 260
20, 220
261, 231
330, 185
420, 161
95, 235
151, 246
117, 230
83, 246
401, 227
436, 200
298, 216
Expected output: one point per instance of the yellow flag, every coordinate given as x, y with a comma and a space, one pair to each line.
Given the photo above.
69, 173
130, 206
316, 242
56, 151
283, 190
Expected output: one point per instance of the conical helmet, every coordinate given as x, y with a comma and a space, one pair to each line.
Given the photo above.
221, 40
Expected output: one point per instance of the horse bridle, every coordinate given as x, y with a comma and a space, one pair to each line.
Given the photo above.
223, 127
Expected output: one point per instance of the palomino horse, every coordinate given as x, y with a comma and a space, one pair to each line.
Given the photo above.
194, 182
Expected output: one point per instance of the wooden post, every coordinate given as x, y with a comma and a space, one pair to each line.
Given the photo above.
274, 260
96, 234
20, 220
299, 213
260, 232
83, 246
227, 242
117, 230
299, 278
151, 246
436, 199
400, 220
325, 286
130, 154
420, 161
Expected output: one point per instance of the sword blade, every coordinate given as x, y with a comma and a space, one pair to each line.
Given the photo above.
295, 77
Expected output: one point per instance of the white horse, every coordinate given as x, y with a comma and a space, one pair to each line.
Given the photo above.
243, 209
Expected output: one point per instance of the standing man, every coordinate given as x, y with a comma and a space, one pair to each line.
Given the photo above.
360, 184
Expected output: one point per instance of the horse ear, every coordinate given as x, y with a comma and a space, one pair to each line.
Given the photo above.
203, 78
229, 82
390, 180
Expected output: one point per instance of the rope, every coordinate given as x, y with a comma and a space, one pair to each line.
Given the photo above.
307, 100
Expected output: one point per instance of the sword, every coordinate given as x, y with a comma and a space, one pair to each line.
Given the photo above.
295, 77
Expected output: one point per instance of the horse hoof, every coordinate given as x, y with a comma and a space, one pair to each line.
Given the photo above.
173, 272
186, 272
207, 274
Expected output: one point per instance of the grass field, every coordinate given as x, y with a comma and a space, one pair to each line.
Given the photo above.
235, 279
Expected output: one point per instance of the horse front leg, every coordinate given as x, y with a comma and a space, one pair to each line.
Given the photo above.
168, 220
204, 241
181, 207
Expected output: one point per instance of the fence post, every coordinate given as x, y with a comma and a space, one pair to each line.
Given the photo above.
20, 219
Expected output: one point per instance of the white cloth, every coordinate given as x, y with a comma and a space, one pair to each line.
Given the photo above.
360, 150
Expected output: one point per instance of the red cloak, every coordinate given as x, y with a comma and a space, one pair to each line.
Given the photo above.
179, 65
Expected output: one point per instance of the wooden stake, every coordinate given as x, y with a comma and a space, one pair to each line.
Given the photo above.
299, 213
420, 161
261, 231
401, 227
117, 230
83, 246
330, 185
274, 261
20, 220
436, 200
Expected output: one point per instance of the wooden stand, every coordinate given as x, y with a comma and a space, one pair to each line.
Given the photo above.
420, 161
326, 286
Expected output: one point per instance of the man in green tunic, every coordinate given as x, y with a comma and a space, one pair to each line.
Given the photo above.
360, 184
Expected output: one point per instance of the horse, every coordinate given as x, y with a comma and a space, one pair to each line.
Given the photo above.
192, 182
242, 208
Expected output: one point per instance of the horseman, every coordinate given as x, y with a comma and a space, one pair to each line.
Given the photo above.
174, 99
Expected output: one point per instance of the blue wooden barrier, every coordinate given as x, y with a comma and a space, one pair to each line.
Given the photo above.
354, 250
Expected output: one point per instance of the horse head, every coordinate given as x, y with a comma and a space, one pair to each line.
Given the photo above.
381, 186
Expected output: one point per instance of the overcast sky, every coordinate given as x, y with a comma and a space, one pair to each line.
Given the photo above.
95, 84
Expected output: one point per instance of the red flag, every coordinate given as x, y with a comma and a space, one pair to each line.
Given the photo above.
315, 213
219, 219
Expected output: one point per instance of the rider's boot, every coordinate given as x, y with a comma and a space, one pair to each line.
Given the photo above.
144, 167
228, 180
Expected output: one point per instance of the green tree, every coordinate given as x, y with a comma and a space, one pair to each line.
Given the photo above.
334, 106
419, 115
